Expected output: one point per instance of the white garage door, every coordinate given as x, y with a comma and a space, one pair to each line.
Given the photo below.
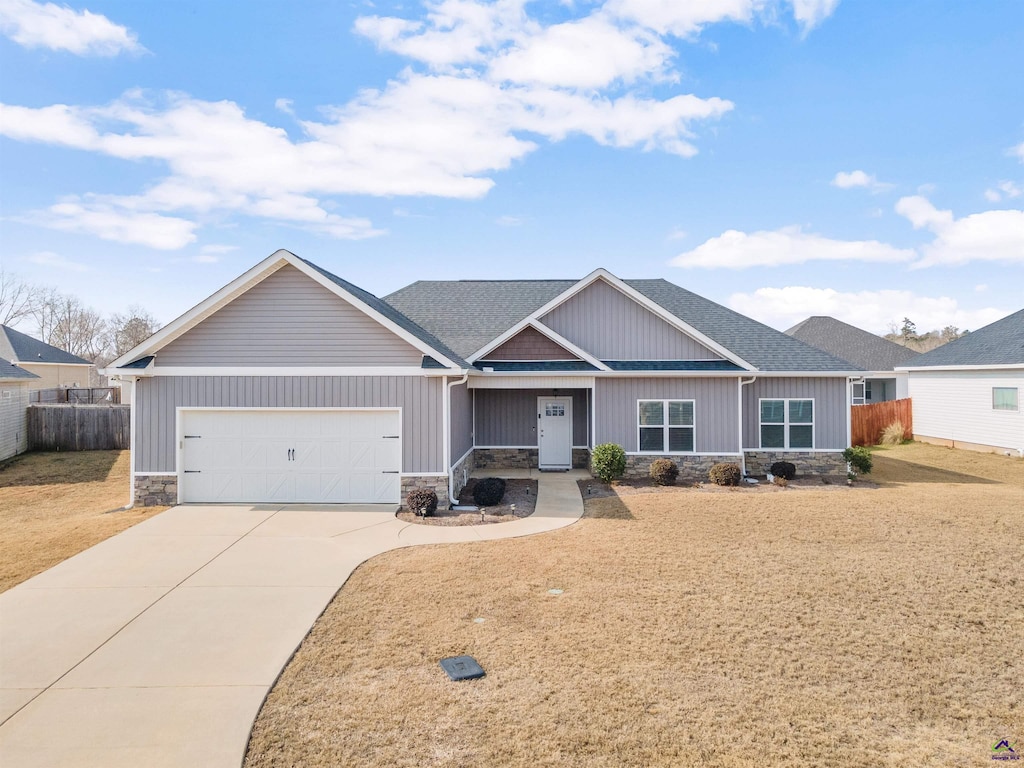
291, 456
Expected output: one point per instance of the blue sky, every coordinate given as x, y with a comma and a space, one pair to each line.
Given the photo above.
859, 159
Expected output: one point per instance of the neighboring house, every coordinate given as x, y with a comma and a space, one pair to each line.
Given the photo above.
14, 384
54, 367
878, 357
967, 393
291, 384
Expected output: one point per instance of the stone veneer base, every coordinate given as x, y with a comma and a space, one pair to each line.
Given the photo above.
826, 463
692, 469
156, 490
521, 458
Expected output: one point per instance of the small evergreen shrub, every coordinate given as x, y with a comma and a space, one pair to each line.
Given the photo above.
664, 472
893, 434
859, 459
489, 491
784, 469
725, 474
608, 462
422, 501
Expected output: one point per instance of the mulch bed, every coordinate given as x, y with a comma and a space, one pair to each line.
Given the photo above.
519, 493
595, 489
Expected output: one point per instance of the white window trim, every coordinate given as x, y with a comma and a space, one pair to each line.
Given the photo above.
786, 423
862, 397
665, 427
1006, 410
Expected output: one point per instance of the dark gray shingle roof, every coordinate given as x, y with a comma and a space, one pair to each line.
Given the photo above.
25, 349
999, 343
9, 371
546, 366
467, 314
847, 342
142, 362
671, 365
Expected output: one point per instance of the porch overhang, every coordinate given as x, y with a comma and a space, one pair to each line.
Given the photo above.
519, 381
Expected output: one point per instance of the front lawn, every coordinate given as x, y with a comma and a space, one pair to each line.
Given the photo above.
54, 505
860, 627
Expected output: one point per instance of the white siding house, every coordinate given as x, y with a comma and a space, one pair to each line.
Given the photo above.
967, 394
14, 386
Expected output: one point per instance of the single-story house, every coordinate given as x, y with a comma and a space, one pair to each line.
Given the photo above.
966, 394
14, 384
878, 357
54, 367
291, 384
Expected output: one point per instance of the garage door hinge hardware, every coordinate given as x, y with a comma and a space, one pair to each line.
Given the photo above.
192, 437
389, 437
193, 471
389, 472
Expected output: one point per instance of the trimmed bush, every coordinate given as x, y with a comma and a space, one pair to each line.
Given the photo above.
608, 462
422, 501
664, 472
725, 474
893, 434
859, 459
489, 491
784, 469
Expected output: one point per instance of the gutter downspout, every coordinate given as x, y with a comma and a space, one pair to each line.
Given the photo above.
131, 441
448, 385
739, 418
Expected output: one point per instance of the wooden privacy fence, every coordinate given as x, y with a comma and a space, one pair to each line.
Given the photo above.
868, 421
78, 427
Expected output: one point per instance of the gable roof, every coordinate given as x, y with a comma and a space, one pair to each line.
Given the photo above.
999, 343
376, 309
847, 342
468, 314
23, 348
9, 371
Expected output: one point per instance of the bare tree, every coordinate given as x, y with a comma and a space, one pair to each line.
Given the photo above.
67, 324
18, 299
129, 329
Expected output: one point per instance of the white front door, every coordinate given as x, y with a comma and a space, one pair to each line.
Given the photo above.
288, 456
554, 432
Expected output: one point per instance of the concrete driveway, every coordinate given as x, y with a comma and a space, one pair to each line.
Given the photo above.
157, 647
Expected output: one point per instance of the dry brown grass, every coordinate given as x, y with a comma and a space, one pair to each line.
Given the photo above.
54, 505
863, 627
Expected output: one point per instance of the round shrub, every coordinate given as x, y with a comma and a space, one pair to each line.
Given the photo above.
859, 459
664, 472
784, 469
725, 474
608, 462
489, 491
422, 501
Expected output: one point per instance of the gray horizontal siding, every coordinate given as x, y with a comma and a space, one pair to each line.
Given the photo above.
530, 344
508, 417
419, 398
288, 319
611, 326
829, 395
462, 422
715, 409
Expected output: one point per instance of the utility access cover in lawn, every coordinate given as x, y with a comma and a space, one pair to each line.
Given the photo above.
462, 668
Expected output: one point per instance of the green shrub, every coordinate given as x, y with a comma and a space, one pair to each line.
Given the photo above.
784, 469
489, 491
859, 459
725, 474
422, 501
893, 434
664, 472
608, 462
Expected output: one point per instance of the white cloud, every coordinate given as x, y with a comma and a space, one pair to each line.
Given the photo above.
509, 221
56, 261
853, 179
873, 311
987, 236
109, 221
1018, 151
789, 245
686, 19
59, 28
284, 105
1003, 189
810, 13
677, 234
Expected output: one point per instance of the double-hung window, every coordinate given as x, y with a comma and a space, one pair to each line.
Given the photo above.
1004, 399
787, 424
665, 426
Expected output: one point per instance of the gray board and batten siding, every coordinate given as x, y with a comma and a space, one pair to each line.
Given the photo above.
830, 416
530, 344
288, 319
157, 398
461, 422
611, 326
715, 405
508, 417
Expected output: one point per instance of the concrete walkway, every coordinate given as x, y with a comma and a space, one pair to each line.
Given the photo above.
157, 647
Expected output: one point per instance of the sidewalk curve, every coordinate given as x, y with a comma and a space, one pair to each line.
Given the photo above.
158, 646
